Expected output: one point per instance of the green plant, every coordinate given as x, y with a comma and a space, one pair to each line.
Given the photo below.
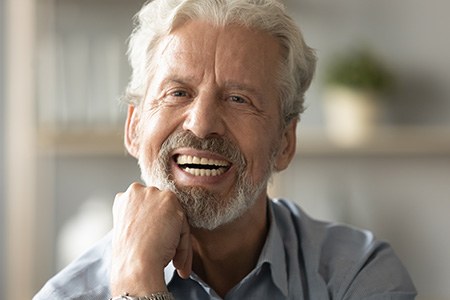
359, 69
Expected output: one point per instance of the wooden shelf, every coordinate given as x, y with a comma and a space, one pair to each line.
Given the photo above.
310, 142
82, 142
387, 141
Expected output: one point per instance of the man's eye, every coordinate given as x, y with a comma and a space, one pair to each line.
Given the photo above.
179, 94
238, 99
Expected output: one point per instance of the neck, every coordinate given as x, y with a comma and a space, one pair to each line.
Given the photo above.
223, 257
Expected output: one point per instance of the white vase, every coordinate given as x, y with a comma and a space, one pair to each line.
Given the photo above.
351, 115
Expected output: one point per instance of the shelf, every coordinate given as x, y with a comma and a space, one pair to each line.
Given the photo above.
310, 142
82, 142
385, 141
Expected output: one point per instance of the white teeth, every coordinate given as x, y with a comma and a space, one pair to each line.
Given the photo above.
204, 172
188, 159
194, 160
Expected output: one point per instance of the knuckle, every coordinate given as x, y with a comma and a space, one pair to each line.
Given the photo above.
117, 200
118, 197
135, 186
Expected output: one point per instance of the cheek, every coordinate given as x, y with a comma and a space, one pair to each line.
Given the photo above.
155, 129
257, 148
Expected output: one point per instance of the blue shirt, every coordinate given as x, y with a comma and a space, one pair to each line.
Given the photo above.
302, 259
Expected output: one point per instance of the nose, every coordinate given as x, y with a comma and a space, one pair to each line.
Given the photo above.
205, 116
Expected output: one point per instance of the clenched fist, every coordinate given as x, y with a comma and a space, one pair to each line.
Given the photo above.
150, 230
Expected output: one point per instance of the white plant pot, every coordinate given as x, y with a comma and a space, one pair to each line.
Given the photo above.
351, 115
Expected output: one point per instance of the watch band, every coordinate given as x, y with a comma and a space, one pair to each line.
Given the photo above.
155, 296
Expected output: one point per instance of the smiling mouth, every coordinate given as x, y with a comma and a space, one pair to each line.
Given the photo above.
201, 166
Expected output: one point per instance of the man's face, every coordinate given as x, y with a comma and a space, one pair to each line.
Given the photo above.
209, 127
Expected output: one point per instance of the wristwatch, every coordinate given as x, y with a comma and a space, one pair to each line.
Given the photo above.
155, 296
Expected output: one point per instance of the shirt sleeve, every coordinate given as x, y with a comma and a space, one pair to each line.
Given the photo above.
355, 265
341, 262
379, 276
86, 278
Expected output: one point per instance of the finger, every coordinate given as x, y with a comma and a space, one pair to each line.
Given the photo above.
182, 260
121, 199
116, 205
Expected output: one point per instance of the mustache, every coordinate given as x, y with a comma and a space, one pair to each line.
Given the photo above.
222, 146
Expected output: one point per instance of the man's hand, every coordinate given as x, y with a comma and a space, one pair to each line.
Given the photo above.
150, 230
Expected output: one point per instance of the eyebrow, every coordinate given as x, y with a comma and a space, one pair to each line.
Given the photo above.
228, 84
242, 87
177, 79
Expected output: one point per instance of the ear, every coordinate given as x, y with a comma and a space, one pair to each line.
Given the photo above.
288, 146
131, 138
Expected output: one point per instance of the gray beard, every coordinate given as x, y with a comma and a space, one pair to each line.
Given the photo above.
204, 209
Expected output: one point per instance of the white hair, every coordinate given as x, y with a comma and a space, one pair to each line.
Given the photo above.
159, 18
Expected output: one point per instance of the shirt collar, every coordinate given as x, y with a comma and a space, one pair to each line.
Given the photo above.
272, 254
169, 272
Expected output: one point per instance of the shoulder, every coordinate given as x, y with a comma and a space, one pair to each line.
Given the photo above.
85, 278
350, 262
323, 243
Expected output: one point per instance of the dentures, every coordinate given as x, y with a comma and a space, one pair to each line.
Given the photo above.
201, 166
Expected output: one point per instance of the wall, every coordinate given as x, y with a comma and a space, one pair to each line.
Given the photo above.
2, 164
98, 180
410, 35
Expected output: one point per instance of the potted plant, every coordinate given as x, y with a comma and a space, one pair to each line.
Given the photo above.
355, 86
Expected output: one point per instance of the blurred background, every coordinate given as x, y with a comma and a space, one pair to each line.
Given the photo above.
373, 144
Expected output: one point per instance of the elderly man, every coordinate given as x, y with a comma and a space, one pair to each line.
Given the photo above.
214, 99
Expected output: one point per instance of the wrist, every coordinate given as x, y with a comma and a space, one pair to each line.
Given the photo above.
154, 296
138, 284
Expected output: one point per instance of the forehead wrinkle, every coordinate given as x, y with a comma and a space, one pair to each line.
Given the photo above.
182, 56
258, 43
